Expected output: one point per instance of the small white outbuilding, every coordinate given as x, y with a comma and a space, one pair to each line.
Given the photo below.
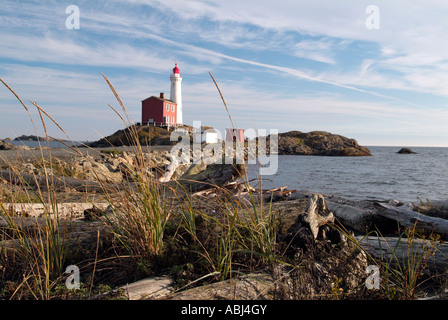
206, 136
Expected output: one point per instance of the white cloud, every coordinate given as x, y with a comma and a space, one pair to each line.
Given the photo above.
320, 51
412, 33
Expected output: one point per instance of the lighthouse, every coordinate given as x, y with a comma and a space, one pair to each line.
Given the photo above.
176, 92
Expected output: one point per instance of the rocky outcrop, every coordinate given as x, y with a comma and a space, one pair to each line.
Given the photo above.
319, 143
146, 135
406, 151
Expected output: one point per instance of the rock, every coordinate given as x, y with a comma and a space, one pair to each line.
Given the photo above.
202, 176
95, 171
9, 146
406, 151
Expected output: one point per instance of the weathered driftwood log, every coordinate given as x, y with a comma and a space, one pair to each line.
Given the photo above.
361, 219
317, 214
357, 219
410, 219
403, 250
169, 171
312, 221
56, 182
64, 210
439, 204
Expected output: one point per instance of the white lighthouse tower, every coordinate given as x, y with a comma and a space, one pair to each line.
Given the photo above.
176, 92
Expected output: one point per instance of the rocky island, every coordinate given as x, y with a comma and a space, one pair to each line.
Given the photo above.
406, 151
319, 143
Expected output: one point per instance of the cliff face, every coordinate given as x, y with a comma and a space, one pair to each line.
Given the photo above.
319, 143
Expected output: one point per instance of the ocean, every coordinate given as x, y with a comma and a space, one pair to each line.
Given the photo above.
384, 176
44, 143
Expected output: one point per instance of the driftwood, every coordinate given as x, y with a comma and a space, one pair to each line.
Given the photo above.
408, 218
362, 219
170, 169
57, 182
316, 216
402, 250
357, 219
64, 210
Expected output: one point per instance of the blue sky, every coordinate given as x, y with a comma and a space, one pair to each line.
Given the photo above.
285, 64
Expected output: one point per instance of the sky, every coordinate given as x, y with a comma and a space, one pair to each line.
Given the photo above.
375, 71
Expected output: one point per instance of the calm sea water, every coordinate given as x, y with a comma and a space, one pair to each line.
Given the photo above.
43, 143
386, 175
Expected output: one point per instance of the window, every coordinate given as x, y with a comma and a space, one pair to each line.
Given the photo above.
172, 119
172, 107
167, 107
167, 119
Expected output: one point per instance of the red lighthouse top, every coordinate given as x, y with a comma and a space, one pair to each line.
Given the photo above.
176, 69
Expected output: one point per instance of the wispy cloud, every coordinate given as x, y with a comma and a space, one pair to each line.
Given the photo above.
331, 70
320, 51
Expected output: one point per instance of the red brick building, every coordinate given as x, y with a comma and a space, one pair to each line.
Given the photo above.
159, 111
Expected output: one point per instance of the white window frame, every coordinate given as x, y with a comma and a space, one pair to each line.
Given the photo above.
172, 119
167, 107
172, 108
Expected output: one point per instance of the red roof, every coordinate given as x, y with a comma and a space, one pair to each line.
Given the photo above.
176, 69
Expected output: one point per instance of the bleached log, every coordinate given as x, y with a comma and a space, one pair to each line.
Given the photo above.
403, 250
357, 219
56, 182
276, 189
410, 219
169, 171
